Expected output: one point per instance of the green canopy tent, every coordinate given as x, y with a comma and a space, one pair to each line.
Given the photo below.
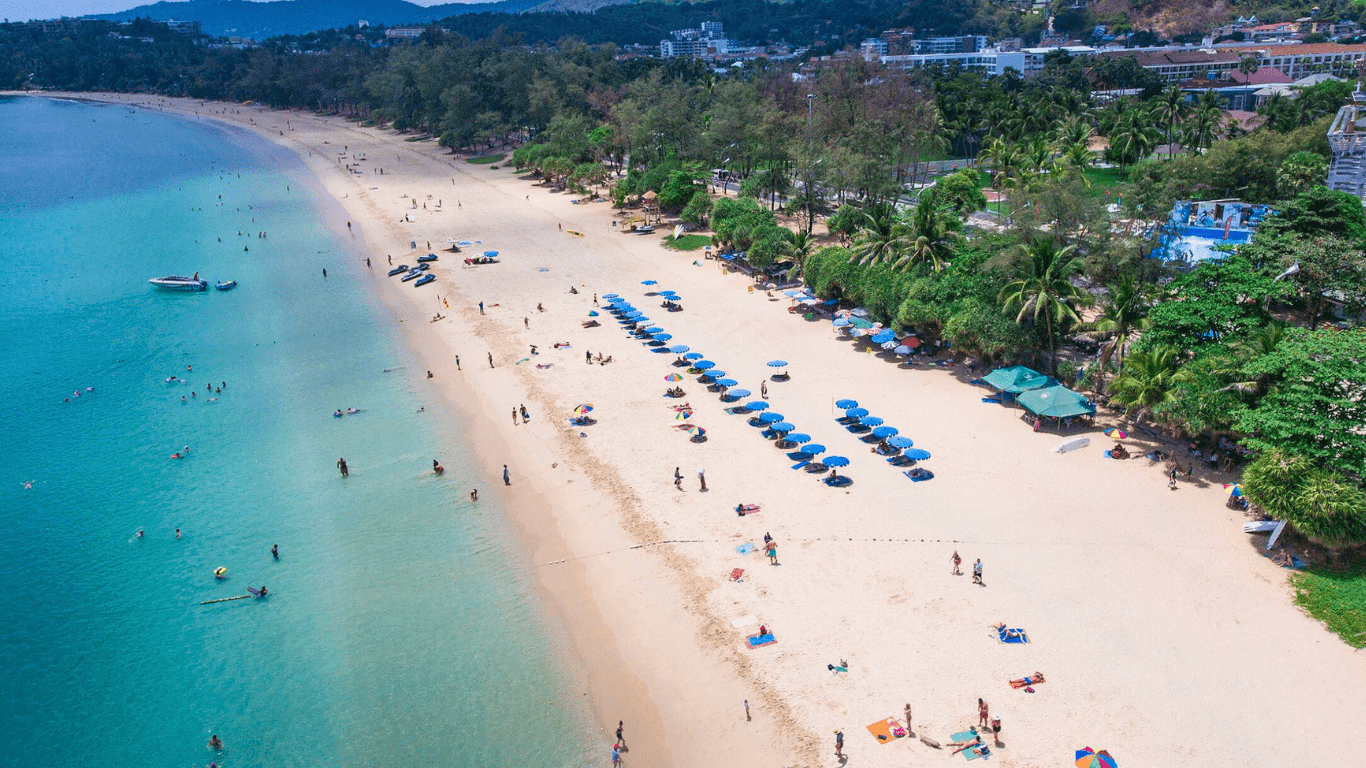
1016, 379
1057, 402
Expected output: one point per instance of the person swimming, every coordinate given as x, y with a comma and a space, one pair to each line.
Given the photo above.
215, 742
139, 534
337, 413
437, 468
353, 410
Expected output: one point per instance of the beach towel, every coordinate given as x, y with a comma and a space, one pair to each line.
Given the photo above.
800, 464
737, 574
746, 549
925, 475
885, 730
759, 641
963, 737
1001, 635
1027, 681
995, 399
837, 482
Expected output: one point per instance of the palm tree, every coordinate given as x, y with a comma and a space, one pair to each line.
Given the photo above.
1123, 312
1171, 106
881, 237
1204, 126
936, 228
1044, 288
1147, 380
1133, 137
1262, 342
800, 247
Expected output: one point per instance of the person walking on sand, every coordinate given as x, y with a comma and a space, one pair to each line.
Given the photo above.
588, 357
747, 717
481, 307
771, 550
702, 478
977, 572
507, 479
490, 359
514, 415
957, 561
341, 465
616, 755
457, 362
621, 726
678, 478
996, 729
763, 389
908, 719
839, 743
526, 323
983, 716
525, 416
1171, 479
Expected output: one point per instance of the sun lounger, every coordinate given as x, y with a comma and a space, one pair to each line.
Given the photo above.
759, 641
801, 464
1011, 636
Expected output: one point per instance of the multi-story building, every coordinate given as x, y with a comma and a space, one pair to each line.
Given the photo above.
1347, 138
1176, 65
403, 33
709, 41
992, 61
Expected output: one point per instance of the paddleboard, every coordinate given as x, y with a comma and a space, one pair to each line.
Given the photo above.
1072, 445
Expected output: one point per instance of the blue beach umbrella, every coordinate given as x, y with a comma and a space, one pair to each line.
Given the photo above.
846, 404
654, 329
715, 373
668, 293
772, 417
856, 413
835, 461
649, 282
902, 350
592, 313
919, 454
756, 405
812, 449
884, 432
490, 254
882, 336
610, 296
641, 319
782, 426
871, 421
693, 356
679, 349
797, 437
898, 441
634, 313
726, 382
841, 322
777, 363
703, 365
662, 336
736, 394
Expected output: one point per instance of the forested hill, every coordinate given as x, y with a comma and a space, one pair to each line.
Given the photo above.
260, 20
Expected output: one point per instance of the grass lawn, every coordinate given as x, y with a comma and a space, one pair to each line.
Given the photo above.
687, 242
1335, 598
418, 138
1103, 178
1002, 208
485, 160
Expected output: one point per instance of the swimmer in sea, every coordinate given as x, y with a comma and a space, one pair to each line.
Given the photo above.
28, 486
215, 742
437, 468
337, 413
275, 551
177, 533
353, 410
140, 532
474, 495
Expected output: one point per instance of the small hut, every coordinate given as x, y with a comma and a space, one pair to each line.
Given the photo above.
651, 202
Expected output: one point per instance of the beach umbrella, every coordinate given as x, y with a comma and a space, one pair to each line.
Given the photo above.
782, 426
715, 373
777, 363
1116, 434
885, 432
633, 313
736, 394
870, 421
490, 254
668, 293
840, 322
859, 312
654, 329
698, 431
662, 336
846, 404
919, 454
683, 415
649, 282
756, 405
1089, 758
835, 461
592, 313
640, 319
793, 292
855, 413
772, 417
1234, 489
679, 349
693, 356
897, 441
610, 296
809, 302
811, 449
673, 377
703, 365
902, 350
726, 382
882, 337
463, 242
797, 437
583, 409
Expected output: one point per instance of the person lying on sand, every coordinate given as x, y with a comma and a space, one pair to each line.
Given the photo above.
970, 745
1037, 677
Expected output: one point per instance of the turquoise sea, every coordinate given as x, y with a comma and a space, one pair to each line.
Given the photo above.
401, 629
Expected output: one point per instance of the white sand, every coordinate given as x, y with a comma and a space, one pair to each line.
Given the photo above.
1164, 635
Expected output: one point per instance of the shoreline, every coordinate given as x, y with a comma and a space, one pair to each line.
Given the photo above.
1176, 610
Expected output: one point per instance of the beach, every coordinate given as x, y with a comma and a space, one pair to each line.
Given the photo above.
1164, 634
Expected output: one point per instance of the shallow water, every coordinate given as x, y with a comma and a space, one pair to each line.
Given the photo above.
401, 629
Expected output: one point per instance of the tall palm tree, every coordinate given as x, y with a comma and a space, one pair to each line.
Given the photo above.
882, 237
1148, 379
1123, 311
1261, 342
1171, 106
1203, 127
935, 227
1044, 288
800, 247
1133, 136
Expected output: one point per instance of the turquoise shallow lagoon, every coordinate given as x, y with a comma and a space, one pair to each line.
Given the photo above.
402, 627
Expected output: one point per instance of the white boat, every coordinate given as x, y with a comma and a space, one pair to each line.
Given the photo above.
180, 283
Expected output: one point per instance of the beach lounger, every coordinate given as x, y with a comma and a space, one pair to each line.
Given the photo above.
1008, 636
759, 641
801, 464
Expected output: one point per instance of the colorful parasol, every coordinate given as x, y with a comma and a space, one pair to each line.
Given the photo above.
673, 377
1089, 758
683, 415
1116, 434
583, 409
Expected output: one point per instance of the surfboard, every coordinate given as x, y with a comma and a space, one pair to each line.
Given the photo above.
1071, 445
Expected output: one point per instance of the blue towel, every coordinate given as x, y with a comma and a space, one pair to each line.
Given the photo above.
745, 549
800, 464
1001, 635
755, 642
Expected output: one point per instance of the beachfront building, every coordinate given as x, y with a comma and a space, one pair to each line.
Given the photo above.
707, 41
994, 62
1179, 64
1347, 138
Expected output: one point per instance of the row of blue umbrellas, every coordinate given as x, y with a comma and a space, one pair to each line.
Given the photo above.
858, 417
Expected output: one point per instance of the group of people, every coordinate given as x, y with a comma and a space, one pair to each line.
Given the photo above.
957, 560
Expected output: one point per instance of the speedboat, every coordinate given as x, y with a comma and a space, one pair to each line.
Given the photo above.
428, 257
228, 286
180, 283
427, 278
412, 275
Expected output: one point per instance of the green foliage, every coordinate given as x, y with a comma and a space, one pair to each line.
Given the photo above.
486, 159
1319, 503
1316, 401
698, 209
687, 242
739, 222
1147, 379
680, 187
770, 244
846, 221
1204, 401
1043, 288
1338, 599
1218, 302
1301, 171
